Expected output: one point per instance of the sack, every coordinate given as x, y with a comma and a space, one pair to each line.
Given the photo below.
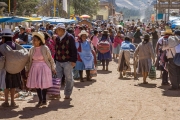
2, 62
152, 73
176, 59
103, 47
15, 59
55, 89
93, 73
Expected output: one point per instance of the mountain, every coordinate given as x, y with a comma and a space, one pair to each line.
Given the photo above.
134, 4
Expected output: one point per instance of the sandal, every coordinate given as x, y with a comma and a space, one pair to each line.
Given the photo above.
13, 104
145, 82
5, 104
39, 104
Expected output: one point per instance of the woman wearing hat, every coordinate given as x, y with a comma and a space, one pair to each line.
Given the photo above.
106, 57
146, 55
12, 80
86, 56
40, 67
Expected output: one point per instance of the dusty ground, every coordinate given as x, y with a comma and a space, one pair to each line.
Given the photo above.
105, 98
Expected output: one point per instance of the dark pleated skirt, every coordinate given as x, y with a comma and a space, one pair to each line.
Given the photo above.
13, 80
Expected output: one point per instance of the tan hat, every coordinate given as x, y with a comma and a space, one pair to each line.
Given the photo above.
40, 35
173, 41
168, 31
83, 32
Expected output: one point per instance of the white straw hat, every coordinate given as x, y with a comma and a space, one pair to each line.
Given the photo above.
83, 32
40, 35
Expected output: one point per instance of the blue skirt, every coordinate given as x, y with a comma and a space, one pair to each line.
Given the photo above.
81, 66
106, 56
116, 49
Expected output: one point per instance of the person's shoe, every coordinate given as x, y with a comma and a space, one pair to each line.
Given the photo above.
89, 79
44, 103
39, 104
165, 83
67, 97
103, 69
13, 104
5, 104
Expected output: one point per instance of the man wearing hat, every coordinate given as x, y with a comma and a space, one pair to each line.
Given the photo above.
173, 69
163, 42
22, 37
65, 57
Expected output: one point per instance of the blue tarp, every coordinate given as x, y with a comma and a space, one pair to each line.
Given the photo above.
4, 19
12, 19
16, 19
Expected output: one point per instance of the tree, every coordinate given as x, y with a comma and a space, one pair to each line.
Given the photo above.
22, 7
89, 7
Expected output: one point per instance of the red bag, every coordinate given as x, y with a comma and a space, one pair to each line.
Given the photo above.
103, 47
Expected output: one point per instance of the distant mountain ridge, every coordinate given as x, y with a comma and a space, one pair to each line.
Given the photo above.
134, 4
131, 4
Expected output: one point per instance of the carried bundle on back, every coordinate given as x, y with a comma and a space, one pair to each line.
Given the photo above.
103, 47
15, 59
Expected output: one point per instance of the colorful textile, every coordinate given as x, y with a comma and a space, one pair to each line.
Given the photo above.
51, 45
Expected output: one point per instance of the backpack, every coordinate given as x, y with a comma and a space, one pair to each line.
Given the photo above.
103, 47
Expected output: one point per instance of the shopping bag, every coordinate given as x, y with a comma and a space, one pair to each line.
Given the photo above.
55, 89
152, 73
93, 73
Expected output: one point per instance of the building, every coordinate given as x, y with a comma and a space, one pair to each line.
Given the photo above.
106, 9
166, 6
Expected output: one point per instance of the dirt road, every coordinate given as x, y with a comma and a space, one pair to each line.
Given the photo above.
105, 98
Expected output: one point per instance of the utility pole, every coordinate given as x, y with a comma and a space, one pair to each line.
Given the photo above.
54, 8
9, 6
69, 5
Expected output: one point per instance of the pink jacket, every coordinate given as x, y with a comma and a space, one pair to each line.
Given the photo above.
117, 41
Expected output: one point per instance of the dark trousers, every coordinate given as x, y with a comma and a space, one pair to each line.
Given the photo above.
42, 94
174, 74
164, 76
87, 73
105, 63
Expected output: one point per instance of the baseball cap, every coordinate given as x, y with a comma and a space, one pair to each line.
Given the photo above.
60, 25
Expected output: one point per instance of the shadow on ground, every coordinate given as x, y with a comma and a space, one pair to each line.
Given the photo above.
149, 85
84, 84
103, 72
30, 112
169, 93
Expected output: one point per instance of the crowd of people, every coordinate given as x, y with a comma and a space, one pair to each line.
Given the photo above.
68, 50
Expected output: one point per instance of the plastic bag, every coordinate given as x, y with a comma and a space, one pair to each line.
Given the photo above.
152, 73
